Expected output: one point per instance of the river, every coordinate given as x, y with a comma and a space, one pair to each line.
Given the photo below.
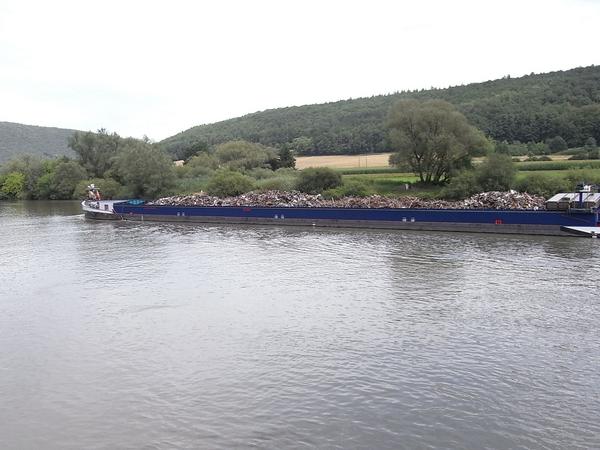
133, 335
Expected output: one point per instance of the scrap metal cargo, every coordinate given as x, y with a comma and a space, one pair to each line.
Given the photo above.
492, 212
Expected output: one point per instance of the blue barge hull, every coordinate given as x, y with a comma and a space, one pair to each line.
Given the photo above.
472, 220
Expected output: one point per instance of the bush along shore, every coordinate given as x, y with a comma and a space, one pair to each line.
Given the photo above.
484, 200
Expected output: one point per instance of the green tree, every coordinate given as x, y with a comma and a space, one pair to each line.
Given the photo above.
301, 145
65, 177
433, 138
286, 158
537, 148
557, 144
315, 180
59, 182
196, 148
243, 155
226, 183
199, 165
496, 173
32, 167
96, 151
591, 148
399, 161
144, 168
13, 186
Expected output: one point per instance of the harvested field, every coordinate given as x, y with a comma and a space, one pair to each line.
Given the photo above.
344, 161
378, 160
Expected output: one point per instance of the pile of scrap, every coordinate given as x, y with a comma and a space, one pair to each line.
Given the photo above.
485, 200
505, 200
267, 198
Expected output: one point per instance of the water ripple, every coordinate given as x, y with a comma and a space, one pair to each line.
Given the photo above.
122, 335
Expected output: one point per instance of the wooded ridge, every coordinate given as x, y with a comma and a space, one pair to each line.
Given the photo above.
17, 139
531, 108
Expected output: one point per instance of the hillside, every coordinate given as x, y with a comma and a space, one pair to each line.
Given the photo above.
529, 108
16, 138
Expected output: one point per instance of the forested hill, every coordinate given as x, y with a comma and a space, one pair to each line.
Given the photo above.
529, 108
17, 139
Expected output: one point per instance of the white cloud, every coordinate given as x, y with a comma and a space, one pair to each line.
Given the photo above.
156, 68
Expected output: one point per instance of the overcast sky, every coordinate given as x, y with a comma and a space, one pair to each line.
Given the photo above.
160, 67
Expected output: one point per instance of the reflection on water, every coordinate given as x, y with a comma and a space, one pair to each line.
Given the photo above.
125, 335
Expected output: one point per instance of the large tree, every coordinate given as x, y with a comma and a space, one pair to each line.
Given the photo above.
433, 138
144, 168
96, 150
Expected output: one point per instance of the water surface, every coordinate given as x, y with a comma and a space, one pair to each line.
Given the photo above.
130, 335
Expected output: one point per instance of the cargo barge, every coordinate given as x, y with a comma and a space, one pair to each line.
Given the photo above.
565, 215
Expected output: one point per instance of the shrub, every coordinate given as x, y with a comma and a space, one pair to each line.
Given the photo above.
590, 143
282, 183
13, 185
259, 173
461, 186
538, 158
544, 185
186, 186
580, 155
315, 180
497, 173
557, 144
350, 188
587, 176
284, 179
225, 183
356, 188
199, 165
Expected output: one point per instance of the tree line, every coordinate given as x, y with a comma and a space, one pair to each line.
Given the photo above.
430, 138
124, 167
127, 168
533, 108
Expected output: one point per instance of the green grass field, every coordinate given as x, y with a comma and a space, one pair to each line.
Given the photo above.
589, 175
557, 165
390, 182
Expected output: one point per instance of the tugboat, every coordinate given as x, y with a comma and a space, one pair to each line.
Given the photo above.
96, 208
